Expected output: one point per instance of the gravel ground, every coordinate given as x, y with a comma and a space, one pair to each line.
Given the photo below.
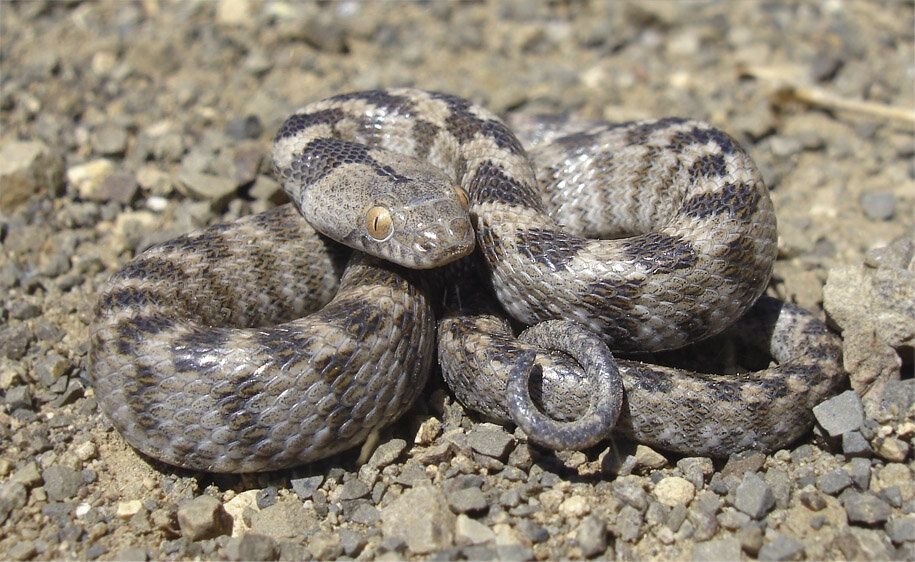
124, 124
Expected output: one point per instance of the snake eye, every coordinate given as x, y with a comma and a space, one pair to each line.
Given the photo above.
379, 223
462, 197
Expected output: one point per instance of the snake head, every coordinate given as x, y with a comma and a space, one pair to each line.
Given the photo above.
392, 206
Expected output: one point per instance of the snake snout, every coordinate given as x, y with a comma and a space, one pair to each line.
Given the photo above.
441, 243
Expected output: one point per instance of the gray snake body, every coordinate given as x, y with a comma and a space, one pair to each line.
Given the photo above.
202, 358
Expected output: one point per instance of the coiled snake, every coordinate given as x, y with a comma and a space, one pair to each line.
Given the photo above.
204, 354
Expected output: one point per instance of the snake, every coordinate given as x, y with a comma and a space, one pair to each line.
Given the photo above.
420, 228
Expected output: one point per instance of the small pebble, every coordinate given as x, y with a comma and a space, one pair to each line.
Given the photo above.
470, 531
305, 487
353, 489
865, 508
109, 140
754, 497
419, 517
61, 483
254, 547
854, 444
203, 517
387, 453
467, 500
490, 440
878, 206
782, 547
901, 529
674, 490
834, 482
591, 536
840, 414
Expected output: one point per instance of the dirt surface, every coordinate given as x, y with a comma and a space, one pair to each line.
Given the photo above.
127, 123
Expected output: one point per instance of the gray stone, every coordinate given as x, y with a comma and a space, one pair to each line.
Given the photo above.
421, 518
23, 550
901, 529
255, 547
15, 338
13, 496
751, 538
202, 518
413, 474
286, 519
591, 536
27, 168
387, 453
860, 471
28, 475
469, 531
353, 489
61, 483
364, 513
696, 469
209, 187
705, 524
854, 444
50, 368
864, 544
351, 542
117, 187
878, 206
305, 487
628, 524
490, 440
865, 508
873, 303
535, 532
812, 500
782, 547
840, 414
754, 497
325, 545
834, 482
467, 500
719, 549
18, 397
741, 463
629, 490
266, 497
732, 519
109, 140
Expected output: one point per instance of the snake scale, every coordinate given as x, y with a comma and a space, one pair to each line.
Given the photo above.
266, 343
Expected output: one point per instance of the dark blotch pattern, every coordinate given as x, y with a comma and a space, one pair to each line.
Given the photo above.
302, 121
424, 133
195, 345
708, 166
464, 125
552, 248
639, 134
489, 183
702, 136
378, 98
660, 253
324, 155
735, 199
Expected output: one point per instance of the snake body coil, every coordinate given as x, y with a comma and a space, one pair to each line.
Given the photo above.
201, 355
